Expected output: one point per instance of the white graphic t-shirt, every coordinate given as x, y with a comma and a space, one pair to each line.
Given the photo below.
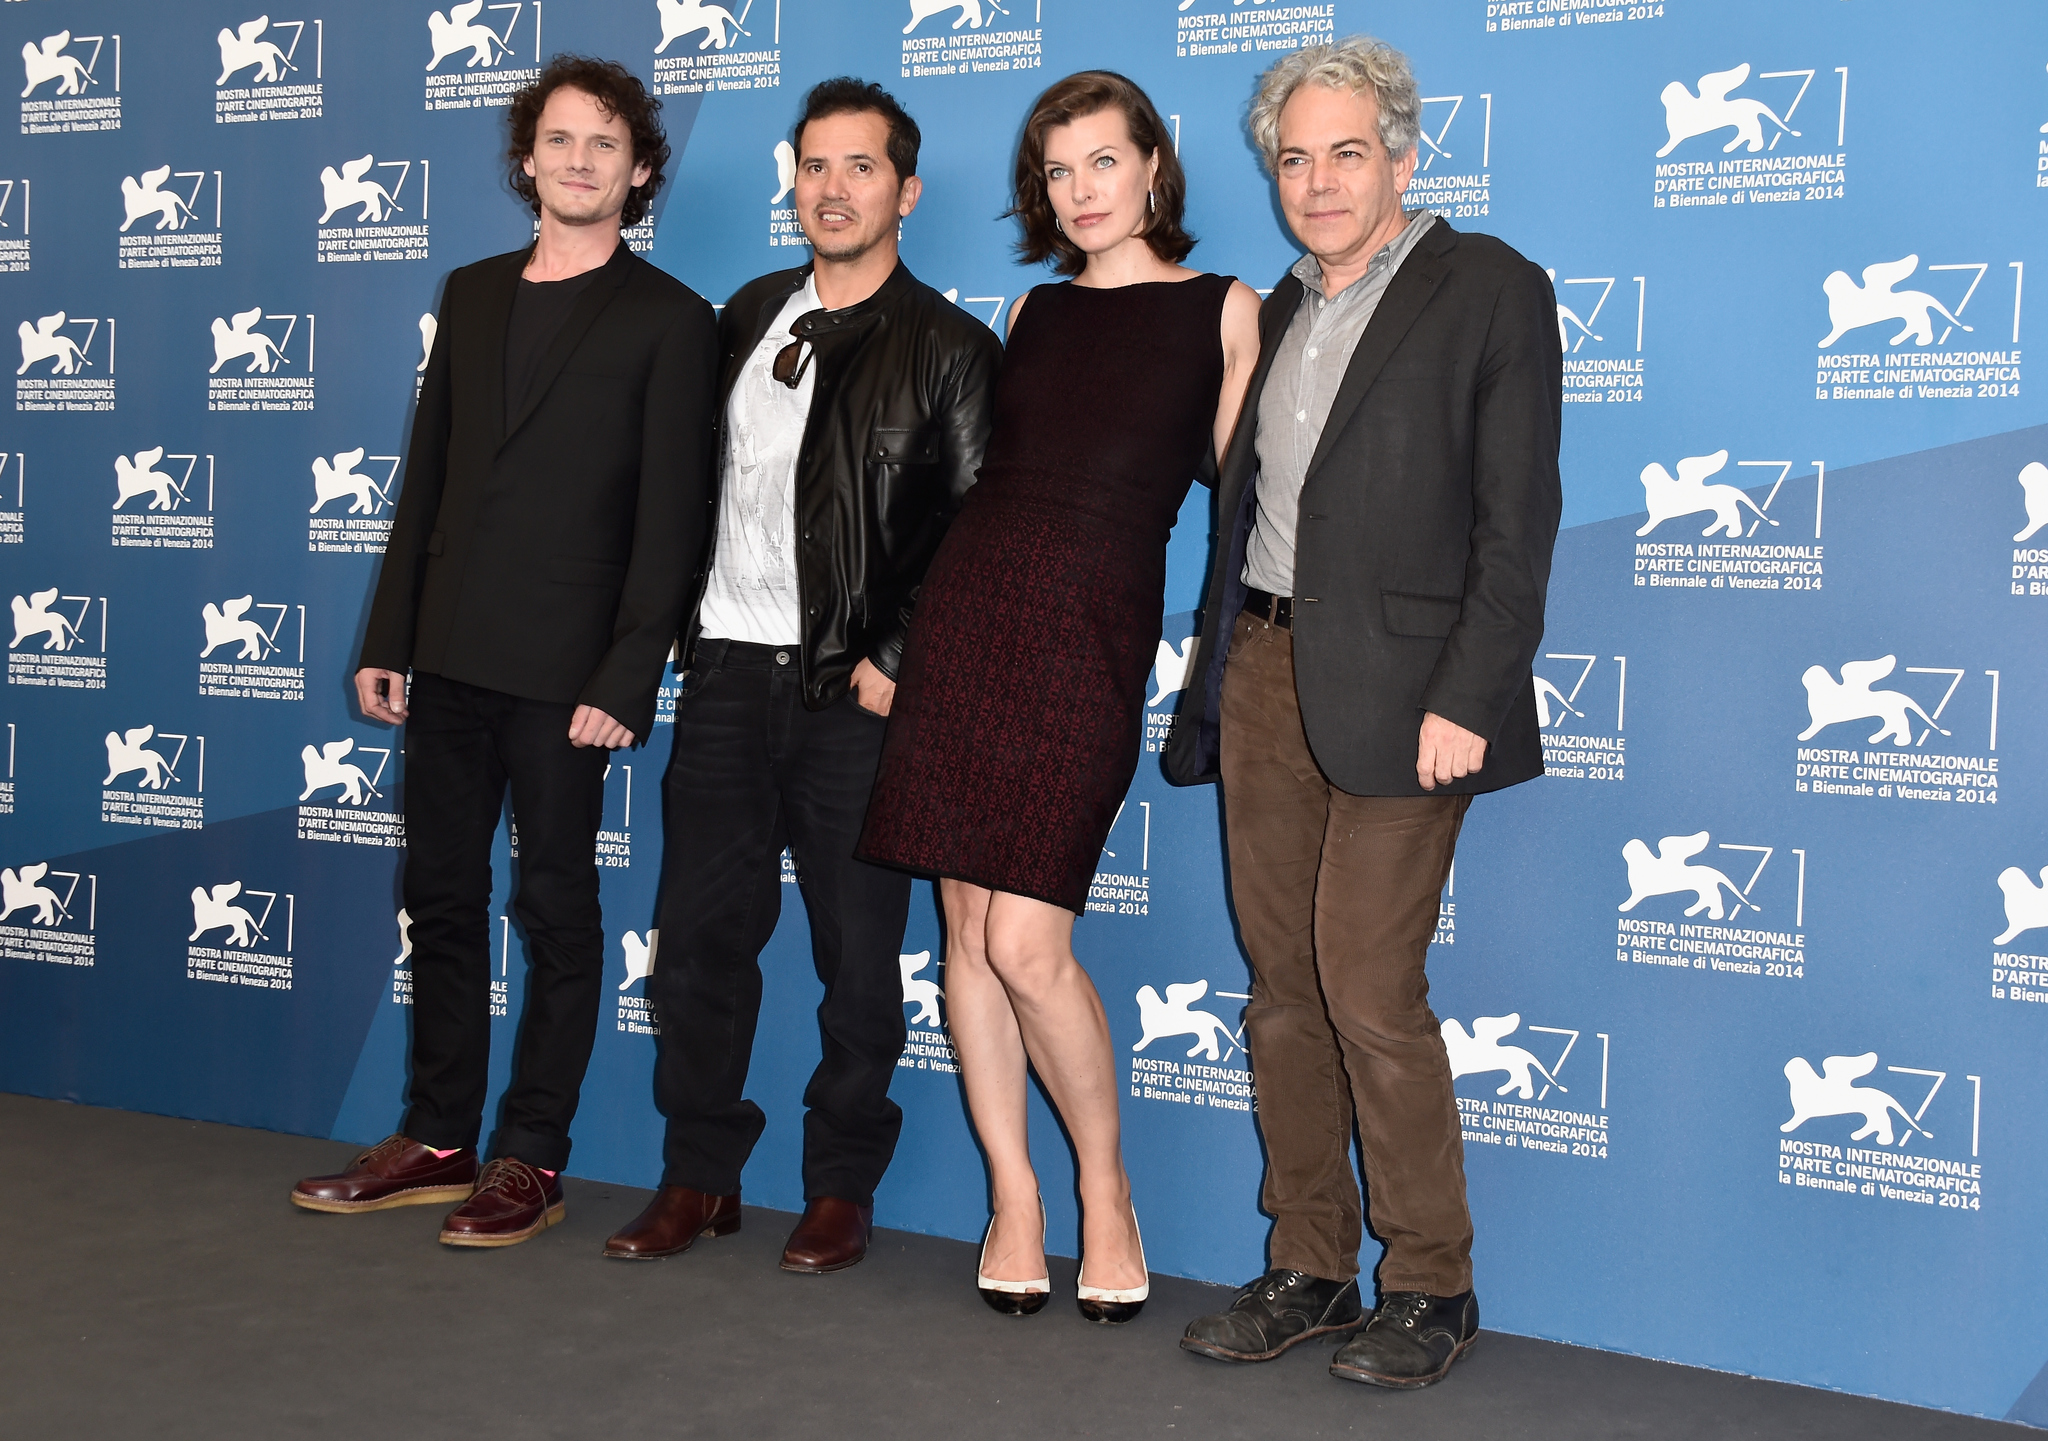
752, 592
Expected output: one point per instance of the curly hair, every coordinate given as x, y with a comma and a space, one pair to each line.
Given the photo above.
1357, 63
620, 96
1091, 92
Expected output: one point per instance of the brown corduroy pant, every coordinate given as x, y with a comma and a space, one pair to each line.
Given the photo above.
1336, 898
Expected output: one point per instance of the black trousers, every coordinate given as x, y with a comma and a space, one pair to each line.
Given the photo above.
753, 772
463, 745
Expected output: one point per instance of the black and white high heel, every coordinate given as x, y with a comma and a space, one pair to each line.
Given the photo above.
1112, 1307
1013, 1298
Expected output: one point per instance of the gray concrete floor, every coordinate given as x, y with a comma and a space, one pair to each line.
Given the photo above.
157, 1284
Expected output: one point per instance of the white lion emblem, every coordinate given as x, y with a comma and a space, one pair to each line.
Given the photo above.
348, 186
1170, 665
925, 995
1174, 1016
240, 49
40, 342
232, 342
687, 17
639, 955
129, 751
1829, 702
139, 476
23, 890
227, 624
211, 911
1667, 499
1687, 114
48, 61
1852, 306
325, 767
923, 10
458, 30
148, 197
2026, 904
2034, 486
334, 479
1482, 1052
33, 616
1669, 873
1832, 1093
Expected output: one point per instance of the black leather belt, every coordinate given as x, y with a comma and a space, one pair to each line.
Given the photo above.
1273, 609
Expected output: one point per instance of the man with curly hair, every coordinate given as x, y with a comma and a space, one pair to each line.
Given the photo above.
556, 495
1386, 520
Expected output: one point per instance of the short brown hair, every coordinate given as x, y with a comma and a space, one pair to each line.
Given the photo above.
620, 95
1089, 93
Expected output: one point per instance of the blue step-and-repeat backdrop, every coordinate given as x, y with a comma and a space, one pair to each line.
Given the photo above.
1748, 999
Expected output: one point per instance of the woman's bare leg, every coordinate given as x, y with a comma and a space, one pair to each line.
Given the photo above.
1054, 1007
992, 1066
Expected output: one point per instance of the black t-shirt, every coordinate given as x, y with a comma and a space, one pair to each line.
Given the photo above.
538, 311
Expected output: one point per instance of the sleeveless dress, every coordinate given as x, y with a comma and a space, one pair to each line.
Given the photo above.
1019, 710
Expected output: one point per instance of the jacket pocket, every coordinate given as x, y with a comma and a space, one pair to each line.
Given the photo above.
437, 543
585, 572
1420, 615
903, 447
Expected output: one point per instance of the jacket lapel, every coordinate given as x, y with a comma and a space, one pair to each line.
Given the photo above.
589, 305
496, 325
1406, 296
755, 326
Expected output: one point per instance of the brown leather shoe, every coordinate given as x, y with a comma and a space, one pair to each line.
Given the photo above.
832, 1235
672, 1222
512, 1201
394, 1172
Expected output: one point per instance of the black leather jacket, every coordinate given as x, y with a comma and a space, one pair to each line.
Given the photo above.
900, 412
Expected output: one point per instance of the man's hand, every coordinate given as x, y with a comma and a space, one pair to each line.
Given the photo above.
1447, 752
381, 693
873, 691
592, 727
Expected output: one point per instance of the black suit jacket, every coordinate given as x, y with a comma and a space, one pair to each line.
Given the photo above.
547, 553
1426, 526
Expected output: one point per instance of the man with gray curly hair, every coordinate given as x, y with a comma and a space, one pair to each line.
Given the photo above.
1385, 522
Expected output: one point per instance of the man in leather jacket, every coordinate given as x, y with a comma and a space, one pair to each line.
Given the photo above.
855, 402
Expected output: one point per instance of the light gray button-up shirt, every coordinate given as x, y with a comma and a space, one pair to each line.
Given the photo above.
1314, 354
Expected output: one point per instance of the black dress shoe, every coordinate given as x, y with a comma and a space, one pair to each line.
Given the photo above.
1281, 1309
1410, 1341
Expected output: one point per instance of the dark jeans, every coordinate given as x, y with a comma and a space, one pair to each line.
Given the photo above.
463, 744
753, 772
1336, 898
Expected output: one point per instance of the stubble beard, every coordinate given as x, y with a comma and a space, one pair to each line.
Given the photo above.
845, 248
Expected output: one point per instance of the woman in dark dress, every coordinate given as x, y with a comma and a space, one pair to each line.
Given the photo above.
1016, 724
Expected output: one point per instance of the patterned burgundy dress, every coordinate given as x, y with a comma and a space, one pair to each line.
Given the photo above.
1019, 710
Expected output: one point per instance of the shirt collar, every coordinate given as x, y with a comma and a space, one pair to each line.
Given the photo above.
1309, 271
806, 301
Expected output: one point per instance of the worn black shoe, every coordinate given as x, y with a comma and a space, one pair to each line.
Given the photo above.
1410, 1341
1280, 1309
